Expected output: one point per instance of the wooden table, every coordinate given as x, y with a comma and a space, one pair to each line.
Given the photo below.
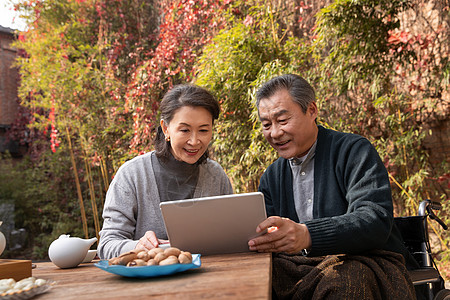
231, 276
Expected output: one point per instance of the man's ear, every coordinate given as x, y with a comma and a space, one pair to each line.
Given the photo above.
312, 109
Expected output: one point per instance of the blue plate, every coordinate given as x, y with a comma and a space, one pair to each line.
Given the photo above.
148, 271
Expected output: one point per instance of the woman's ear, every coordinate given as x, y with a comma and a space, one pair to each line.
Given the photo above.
163, 126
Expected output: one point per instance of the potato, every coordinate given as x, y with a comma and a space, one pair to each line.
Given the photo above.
155, 256
152, 252
171, 260
137, 263
188, 254
143, 255
183, 258
126, 257
160, 257
172, 251
113, 261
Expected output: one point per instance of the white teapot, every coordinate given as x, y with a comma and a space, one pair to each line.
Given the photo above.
2, 241
69, 252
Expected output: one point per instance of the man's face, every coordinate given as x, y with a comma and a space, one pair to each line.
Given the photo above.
290, 131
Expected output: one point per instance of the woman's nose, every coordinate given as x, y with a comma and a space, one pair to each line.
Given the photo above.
193, 139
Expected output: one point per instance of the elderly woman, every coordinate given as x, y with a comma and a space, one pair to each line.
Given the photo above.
179, 168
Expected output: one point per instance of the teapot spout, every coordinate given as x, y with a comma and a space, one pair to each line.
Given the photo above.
91, 241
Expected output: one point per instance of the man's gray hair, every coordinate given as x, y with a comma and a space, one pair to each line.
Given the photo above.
299, 89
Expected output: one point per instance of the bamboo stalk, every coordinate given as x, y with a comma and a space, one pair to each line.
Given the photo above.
403, 145
105, 176
77, 182
92, 194
403, 189
99, 174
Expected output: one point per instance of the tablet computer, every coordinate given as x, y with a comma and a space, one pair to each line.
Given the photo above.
214, 225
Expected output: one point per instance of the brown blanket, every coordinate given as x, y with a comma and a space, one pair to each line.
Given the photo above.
375, 275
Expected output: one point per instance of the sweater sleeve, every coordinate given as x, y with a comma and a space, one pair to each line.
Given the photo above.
276, 185
119, 220
355, 211
264, 187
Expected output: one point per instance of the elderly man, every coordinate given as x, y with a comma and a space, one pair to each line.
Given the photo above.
329, 203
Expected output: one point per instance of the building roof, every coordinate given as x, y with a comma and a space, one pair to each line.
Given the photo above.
6, 30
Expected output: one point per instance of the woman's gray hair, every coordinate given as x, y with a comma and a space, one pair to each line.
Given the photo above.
300, 90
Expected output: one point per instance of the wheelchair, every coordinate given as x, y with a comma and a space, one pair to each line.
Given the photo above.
414, 229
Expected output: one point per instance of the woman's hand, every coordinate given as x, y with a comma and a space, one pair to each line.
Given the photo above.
148, 241
289, 237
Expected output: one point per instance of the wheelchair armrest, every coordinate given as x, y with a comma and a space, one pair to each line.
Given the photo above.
424, 275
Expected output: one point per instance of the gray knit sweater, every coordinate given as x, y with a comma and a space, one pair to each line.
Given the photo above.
132, 203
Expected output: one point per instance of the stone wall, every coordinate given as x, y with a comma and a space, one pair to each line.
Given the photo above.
430, 21
438, 143
9, 80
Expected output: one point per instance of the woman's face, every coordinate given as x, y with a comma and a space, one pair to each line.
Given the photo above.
190, 132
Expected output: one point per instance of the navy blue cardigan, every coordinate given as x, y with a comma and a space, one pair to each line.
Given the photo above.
352, 209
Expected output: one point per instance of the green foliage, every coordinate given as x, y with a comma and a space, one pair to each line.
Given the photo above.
78, 58
184, 28
232, 66
354, 35
45, 199
360, 64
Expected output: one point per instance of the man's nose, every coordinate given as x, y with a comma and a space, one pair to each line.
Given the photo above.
276, 131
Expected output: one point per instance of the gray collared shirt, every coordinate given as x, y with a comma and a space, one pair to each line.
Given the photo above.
303, 184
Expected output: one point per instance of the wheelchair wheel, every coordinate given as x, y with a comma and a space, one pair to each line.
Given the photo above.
442, 295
